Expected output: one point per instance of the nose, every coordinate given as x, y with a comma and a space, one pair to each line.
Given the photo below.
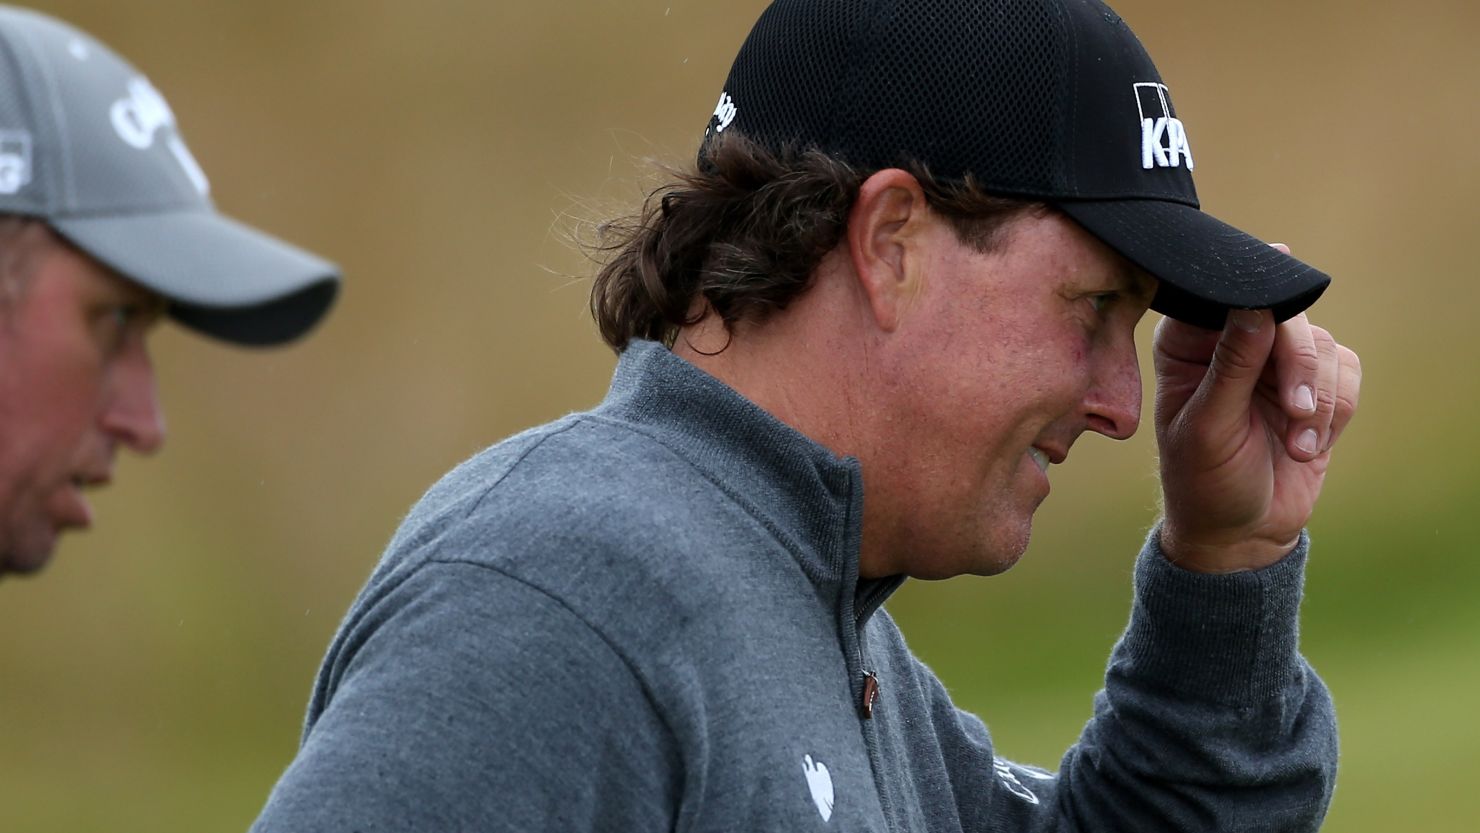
1113, 404
132, 414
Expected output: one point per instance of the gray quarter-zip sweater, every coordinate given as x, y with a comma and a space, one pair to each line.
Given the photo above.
648, 617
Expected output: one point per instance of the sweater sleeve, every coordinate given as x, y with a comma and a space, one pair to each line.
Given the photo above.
464, 699
1210, 720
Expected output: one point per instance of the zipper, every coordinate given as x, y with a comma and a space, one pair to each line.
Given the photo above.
854, 609
865, 603
870, 693
868, 697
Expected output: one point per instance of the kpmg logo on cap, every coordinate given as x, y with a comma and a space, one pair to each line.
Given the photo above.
144, 113
1163, 138
15, 160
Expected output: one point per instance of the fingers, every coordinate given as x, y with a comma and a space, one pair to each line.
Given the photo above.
1178, 341
1305, 373
1238, 361
1328, 380
1318, 381
1348, 389
1314, 381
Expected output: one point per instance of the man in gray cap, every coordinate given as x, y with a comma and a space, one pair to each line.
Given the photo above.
106, 225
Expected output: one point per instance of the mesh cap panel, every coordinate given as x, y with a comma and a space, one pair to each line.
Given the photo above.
1052, 100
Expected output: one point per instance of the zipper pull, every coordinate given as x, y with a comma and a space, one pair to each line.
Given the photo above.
870, 693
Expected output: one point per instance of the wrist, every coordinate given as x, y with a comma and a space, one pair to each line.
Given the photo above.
1228, 639
1221, 554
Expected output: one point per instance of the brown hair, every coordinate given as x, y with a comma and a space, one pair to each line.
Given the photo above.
744, 232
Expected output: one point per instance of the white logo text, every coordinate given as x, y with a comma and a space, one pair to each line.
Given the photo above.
143, 114
15, 160
1163, 136
724, 111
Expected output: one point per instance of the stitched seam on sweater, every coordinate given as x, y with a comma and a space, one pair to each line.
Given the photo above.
642, 681
508, 470
735, 497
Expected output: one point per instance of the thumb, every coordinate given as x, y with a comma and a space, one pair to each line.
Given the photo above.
1238, 362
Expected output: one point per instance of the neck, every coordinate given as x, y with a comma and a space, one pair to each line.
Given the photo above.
808, 366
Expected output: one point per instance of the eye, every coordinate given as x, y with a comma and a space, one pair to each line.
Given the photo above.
115, 323
1100, 300
126, 319
122, 315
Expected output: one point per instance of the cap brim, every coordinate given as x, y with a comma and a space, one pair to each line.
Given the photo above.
1205, 266
222, 277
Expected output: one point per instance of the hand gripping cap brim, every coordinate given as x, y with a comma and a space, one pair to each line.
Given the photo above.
222, 278
1205, 266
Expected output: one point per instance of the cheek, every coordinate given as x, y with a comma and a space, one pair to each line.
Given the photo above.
1057, 375
62, 403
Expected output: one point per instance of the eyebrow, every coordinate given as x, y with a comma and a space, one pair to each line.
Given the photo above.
152, 304
1135, 280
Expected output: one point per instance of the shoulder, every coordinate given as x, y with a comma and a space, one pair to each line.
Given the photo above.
595, 513
580, 484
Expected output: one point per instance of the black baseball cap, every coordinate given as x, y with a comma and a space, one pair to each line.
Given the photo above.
1047, 100
89, 146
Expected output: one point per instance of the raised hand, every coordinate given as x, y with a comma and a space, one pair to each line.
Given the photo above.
1245, 423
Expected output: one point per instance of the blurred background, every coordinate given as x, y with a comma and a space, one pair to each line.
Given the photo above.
155, 677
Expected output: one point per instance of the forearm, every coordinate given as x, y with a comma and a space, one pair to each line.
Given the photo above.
1209, 707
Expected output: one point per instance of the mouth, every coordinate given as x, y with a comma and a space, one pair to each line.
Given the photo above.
1040, 458
75, 512
93, 476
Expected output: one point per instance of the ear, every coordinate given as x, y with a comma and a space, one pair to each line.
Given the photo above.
884, 239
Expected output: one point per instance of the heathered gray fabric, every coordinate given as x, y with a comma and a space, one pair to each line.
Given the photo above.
648, 617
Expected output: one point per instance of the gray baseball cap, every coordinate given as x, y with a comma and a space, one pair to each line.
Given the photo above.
90, 147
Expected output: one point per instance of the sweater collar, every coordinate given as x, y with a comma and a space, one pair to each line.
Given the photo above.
811, 499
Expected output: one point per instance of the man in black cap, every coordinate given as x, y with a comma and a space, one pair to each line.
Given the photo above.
901, 280
106, 225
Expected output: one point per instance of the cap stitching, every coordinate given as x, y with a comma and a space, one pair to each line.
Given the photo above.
20, 44
846, 79
59, 123
1073, 75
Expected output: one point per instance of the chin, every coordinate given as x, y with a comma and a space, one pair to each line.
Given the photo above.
23, 559
996, 565
985, 556
1004, 549
19, 566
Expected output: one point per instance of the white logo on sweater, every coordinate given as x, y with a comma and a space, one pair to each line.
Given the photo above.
1163, 137
819, 781
1008, 774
